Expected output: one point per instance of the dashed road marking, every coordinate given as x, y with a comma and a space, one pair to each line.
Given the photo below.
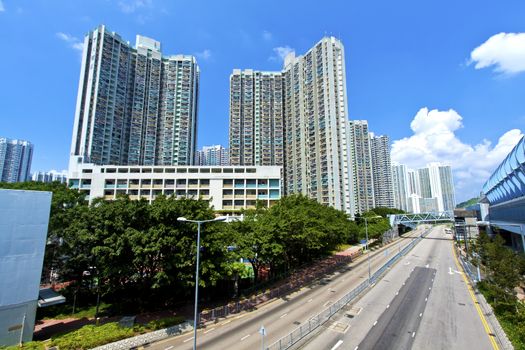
283, 315
338, 344
246, 336
309, 301
208, 331
388, 306
375, 323
421, 314
184, 341
226, 322
413, 334
169, 347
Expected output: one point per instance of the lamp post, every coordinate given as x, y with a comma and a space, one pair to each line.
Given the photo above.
368, 250
199, 223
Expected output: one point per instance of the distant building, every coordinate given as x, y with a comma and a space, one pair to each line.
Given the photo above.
227, 188
15, 160
442, 186
361, 156
382, 171
134, 105
49, 176
212, 155
24, 217
423, 190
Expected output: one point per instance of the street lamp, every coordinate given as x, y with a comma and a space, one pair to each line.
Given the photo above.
368, 250
199, 223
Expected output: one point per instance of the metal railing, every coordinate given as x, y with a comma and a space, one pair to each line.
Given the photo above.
314, 322
327, 266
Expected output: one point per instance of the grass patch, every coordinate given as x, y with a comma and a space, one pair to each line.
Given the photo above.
91, 336
342, 247
511, 315
62, 311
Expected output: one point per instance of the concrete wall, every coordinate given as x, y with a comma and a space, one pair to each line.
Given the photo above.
24, 218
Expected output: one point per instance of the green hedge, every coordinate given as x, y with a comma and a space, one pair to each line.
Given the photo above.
91, 336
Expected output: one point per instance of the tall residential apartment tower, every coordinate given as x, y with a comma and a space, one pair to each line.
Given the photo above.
256, 118
297, 117
15, 160
134, 106
361, 156
382, 170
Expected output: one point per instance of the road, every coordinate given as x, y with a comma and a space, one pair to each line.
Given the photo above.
423, 302
284, 314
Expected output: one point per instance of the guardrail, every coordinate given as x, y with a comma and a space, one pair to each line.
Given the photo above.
314, 322
329, 265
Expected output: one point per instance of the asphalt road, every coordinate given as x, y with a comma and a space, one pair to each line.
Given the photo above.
282, 315
406, 310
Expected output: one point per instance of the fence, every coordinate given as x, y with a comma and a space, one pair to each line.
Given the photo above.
300, 279
300, 332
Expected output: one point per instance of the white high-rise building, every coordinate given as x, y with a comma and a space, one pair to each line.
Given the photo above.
134, 106
212, 155
310, 95
361, 160
442, 186
382, 171
15, 160
49, 176
400, 186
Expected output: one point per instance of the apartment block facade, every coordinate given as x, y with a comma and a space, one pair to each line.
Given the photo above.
382, 171
361, 156
256, 118
134, 106
297, 117
15, 160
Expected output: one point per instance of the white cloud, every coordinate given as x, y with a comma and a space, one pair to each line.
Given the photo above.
267, 36
204, 55
2, 8
434, 140
281, 52
72, 41
130, 6
504, 51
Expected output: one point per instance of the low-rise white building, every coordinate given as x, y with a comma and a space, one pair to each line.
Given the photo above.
228, 188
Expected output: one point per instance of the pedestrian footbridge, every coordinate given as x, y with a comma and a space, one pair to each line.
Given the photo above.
412, 220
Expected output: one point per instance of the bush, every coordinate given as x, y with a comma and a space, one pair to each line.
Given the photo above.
91, 336
165, 322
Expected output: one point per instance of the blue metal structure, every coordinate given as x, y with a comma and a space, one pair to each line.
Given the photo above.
508, 181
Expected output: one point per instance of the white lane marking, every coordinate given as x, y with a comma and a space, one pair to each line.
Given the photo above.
209, 330
413, 334
421, 314
388, 306
397, 293
375, 323
403, 283
169, 347
338, 344
283, 315
426, 266
432, 280
188, 339
426, 299
356, 347
226, 322
309, 301
450, 271
246, 336
327, 303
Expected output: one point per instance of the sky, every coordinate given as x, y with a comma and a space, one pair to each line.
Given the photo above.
443, 79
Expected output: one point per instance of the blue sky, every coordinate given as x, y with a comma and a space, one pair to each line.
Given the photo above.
401, 57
